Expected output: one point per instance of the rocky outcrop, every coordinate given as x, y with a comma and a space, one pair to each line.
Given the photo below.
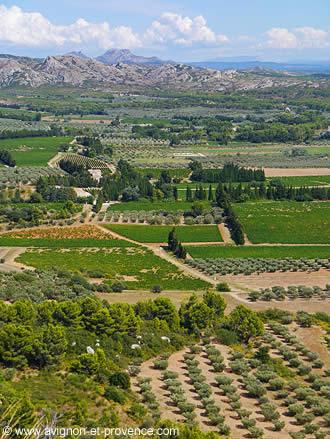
78, 71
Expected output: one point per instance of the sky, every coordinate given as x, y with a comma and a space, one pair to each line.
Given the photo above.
184, 30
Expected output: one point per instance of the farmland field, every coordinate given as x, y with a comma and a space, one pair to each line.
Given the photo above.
160, 233
33, 151
275, 252
135, 267
286, 222
231, 392
304, 180
61, 237
170, 206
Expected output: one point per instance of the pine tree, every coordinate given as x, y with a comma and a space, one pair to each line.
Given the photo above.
175, 193
210, 196
188, 194
172, 241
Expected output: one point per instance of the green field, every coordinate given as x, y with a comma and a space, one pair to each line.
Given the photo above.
144, 233
33, 151
287, 222
275, 252
138, 268
170, 206
305, 180
61, 243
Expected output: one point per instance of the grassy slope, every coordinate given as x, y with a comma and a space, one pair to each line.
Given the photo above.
160, 233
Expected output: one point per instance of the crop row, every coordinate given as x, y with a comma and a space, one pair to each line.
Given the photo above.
292, 292
248, 266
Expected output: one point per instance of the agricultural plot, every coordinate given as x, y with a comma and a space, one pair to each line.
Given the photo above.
168, 206
248, 266
33, 151
262, 252
29, 174
61, 237
88, 162
286, 222
240, 393
293, 292
135, 267
160, 233
304, 180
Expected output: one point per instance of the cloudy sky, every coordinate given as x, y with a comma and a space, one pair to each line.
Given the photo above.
183, 30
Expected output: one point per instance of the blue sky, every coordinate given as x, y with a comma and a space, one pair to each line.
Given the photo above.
181, 30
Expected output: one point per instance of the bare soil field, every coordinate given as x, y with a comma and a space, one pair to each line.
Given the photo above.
311, 337
283, 279
179, 364
295, 172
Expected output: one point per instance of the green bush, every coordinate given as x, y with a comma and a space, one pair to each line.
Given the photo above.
120, 379
114, 394
227, 337
223, 287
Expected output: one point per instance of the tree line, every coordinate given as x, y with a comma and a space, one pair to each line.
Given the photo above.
229, 173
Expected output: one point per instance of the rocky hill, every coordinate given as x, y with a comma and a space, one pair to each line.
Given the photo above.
77, 70
125, 56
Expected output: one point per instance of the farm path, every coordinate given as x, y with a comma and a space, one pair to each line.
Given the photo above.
9, 255
225, 233
54, 160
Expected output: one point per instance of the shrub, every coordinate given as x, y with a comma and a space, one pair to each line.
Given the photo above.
256, 432
117, 287
295, 409
279, 425
114, 394
120, 379
227, 337
161, 364
248, 423
223, 287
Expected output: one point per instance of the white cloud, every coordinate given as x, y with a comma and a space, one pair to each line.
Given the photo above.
311, 37
32, 29
182, 30
281, 38
298, 38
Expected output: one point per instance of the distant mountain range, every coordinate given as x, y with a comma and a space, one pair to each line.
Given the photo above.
122, 68
247, 63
